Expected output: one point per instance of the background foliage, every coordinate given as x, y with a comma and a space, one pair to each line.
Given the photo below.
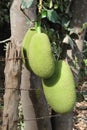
4, 19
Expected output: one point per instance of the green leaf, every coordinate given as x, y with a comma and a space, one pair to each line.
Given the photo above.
26, 5
43, 14
85, 61
84, 26
53, 16
65, 23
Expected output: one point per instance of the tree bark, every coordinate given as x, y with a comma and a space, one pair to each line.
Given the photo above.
12, 83
27, 105
62, 122
39, 103
13, 67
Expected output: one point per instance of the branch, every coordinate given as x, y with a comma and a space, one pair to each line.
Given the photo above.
26, 15
6, 40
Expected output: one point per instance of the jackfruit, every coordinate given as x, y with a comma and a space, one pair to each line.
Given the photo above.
25, 46
59, 89
40, 56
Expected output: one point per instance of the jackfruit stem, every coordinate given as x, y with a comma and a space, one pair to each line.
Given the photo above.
38, 27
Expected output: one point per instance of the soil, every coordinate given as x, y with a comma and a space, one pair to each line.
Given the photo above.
80, 110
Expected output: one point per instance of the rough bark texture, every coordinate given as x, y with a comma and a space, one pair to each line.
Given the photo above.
12, 82
79, 16
78, 8
76, 52
62, 122
33, 101
27, 105
12, 76
39, 103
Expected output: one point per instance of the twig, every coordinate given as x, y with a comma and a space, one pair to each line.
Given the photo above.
40, 6
6, 40
26, 15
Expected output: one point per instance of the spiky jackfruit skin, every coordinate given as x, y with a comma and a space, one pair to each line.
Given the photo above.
59, 89
25, 46
40, 56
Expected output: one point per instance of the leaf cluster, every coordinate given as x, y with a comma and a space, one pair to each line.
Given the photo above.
55, 19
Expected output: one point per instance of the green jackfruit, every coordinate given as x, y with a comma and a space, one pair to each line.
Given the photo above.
25, 46
59, 89
40, 56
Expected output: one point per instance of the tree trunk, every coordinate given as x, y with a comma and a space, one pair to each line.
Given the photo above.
27, 105
79, 16
12, 83
39, 103
13, 67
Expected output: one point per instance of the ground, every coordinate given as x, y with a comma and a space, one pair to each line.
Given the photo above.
80, 110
